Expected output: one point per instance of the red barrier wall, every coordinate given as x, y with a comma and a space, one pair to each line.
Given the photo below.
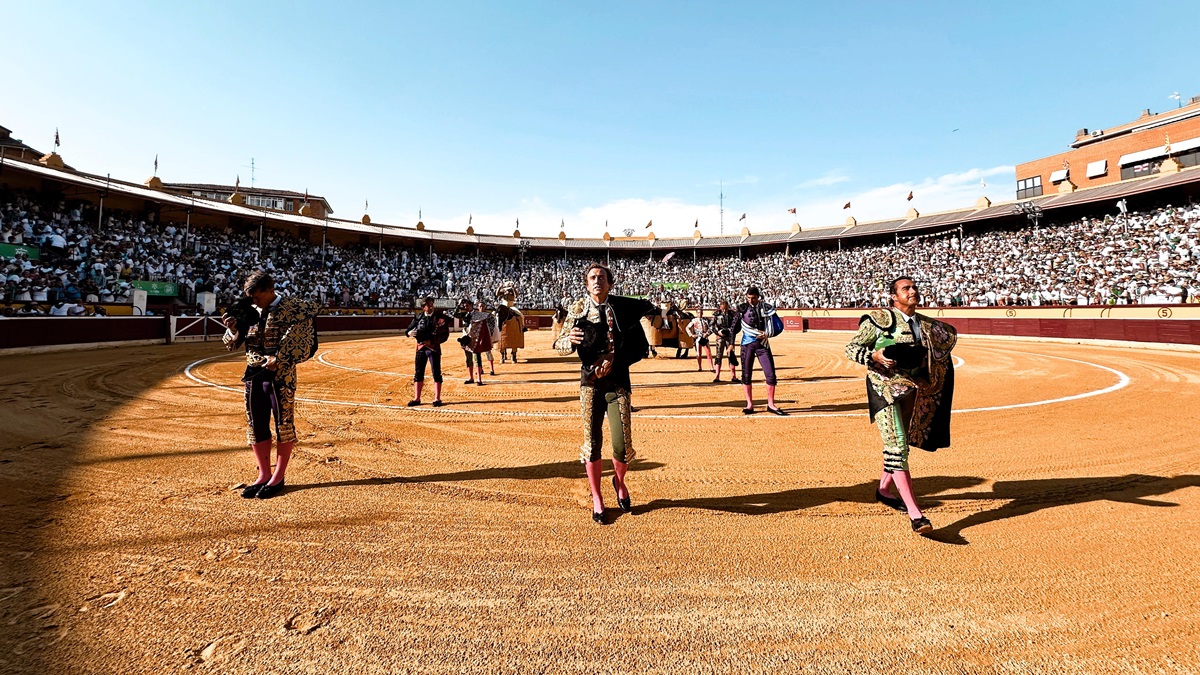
1177, 331
58, 330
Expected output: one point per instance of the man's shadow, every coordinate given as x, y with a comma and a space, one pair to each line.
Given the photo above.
566, 469
1028, 496
799, 499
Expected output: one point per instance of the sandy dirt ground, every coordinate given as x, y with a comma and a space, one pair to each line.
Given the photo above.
459, 539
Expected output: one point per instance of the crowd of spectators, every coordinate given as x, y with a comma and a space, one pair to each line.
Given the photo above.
86, 260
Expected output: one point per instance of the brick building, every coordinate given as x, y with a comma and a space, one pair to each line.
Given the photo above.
284, 201
1133, 150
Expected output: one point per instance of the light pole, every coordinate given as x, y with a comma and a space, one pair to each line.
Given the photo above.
522, 247
1031, 211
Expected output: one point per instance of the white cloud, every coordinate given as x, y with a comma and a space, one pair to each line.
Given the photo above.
824, 181
676, 218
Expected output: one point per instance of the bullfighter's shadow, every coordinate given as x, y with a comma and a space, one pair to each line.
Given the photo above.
1028, 496
565, 469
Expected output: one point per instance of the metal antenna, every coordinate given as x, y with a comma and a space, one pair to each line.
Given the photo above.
721, 196
251, 167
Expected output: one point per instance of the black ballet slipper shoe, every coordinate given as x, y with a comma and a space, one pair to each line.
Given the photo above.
716, 379
267, 491
625, 504
598, 518
747, 411
479, 383
438, 403
493, 373
251, 491
470, 381
922, 525
414, 403
892, 502
777, 411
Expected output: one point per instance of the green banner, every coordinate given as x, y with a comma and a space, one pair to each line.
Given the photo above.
10, 251
676, 287
157, 287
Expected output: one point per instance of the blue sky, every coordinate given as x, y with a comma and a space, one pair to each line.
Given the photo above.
590, 112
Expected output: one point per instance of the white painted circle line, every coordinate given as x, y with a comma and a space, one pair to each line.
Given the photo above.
1122, 381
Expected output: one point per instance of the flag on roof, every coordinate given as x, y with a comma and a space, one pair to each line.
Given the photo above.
469, 217
237, 183
56, 137
846, 206
909, 195
742, 218
792, 211
156, 164
648, 225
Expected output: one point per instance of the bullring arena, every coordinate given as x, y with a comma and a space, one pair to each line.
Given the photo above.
458, 540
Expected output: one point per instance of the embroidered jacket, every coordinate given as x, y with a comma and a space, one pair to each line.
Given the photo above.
285, 331
932, 383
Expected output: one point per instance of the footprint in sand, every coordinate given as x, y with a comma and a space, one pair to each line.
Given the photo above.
8, 593
50, 635
104, 601
220, 649
307, 624
34, 614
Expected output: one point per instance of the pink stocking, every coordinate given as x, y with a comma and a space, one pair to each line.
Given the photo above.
771, 396
283, 452
417, 390
904, 487
620, 468
885, 485
594, 471
437, 391
262, 457
749, 395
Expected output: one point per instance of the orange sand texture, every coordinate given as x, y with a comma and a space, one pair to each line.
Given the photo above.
459, 540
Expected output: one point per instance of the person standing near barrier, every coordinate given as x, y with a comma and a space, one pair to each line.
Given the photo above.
910, 388
725, 325
755, 316
699, 328
605, 330
282, 335
430, 328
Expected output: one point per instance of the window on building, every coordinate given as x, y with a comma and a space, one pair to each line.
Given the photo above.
1029, 187
265, 202
1140, 170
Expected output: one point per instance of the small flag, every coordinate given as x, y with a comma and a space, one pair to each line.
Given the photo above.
1166, 146
668, 256
469, 217
366, 205
982, 185
56, 144
562, 225
909, 198
697, 223
792, 211
846, 206
237, 183
156, 164
518, 222
648, 225
742, 218
419, 215
305, 195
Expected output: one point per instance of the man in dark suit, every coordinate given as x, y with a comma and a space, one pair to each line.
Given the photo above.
605, 330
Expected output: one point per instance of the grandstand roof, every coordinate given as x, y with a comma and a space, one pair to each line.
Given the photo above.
230, 189
1113, 191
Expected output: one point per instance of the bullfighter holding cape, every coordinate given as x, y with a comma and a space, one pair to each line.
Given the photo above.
910, 388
